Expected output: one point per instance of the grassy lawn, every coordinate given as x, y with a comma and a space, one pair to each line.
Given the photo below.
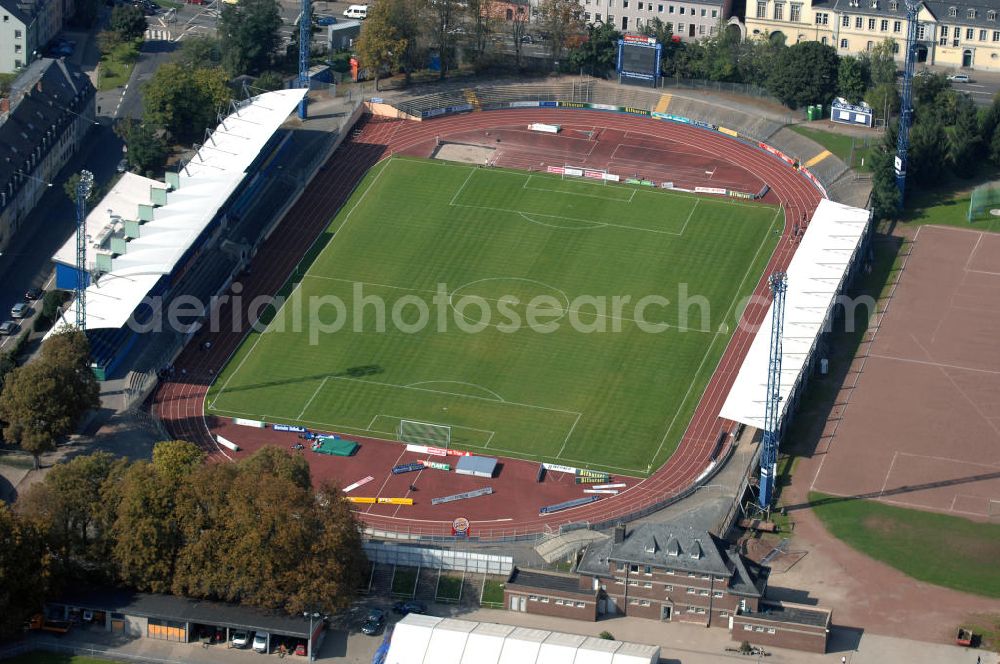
449, 588
170, 4
404, 582
840, 145
116, 66
41, 657
948, 205
508, 306
964, 559
493, 593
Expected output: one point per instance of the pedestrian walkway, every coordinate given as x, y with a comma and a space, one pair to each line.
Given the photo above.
158, 34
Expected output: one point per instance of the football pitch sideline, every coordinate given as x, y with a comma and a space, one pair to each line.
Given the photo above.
542, 318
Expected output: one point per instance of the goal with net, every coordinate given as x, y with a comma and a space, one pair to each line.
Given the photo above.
985, 201
424, 433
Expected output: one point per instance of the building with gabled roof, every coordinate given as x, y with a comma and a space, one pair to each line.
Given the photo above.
671, 572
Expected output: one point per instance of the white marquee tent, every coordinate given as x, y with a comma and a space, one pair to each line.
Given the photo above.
419, 639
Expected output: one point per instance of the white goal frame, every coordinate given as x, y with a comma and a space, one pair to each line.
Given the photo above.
436, 435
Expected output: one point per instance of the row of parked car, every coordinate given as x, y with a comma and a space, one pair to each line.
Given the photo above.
20, 310
257, 641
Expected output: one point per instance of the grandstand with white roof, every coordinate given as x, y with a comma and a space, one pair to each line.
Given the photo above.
144, 235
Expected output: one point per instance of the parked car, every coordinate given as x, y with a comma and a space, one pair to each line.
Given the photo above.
960, 78
122, 166
325, 20
20, 310
300, 648
8, 327
260, 642
34, 294
241, 640
412, 606
357, 11
374, 623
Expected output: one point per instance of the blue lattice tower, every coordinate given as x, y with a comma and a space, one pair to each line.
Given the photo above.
906, 108
305, 38
83, 188
772, 405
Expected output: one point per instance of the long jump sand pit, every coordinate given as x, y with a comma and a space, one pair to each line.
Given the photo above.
922, 426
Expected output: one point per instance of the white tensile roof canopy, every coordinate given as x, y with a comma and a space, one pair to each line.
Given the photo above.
419, 639
203, 187
815, 276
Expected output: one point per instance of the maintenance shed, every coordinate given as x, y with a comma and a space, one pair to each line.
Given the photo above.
476, 465
172, 618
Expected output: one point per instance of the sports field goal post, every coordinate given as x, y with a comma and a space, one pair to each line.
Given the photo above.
984, 200
424, 433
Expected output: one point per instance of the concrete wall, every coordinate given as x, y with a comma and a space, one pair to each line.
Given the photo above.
545, 603
779, 635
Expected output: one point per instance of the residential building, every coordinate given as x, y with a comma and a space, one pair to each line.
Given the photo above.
26, 26
690, 20
957, 34
671, 572
43, 121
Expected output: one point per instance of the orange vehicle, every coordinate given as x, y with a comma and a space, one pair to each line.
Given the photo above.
39, 622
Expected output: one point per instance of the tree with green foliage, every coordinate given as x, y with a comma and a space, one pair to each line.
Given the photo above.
201, 51
269, 80
928, 153
70, 185
86, 13
884, 99
477, 13
442, 17
184, 100
851, 83
880, 62
249, 35
381, 44
597, 55
658, 30
147, 149
128, 22
885, 193
964, 140
563, 21
805, 73
24, 565
43, 400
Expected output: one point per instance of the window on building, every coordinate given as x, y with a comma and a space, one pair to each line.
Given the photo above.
761, 10
859, 22
17, 34
634, 569
895, 47
704, 12
897, 26
758, 629
622, 567
952, 11
659, 9
795, 14
544, 600
17, 48
701, 29
680, 28
633, 582
991, 15
644, 602
703, 593
581, 605
845, 21
723, 614
954, 42
822, 18
691, 575
883, 25
17, 64
716, 593
893, 5
671, 8
982, 35
690, 609
823, 41
624, 4
640, 6
996, 35
970, 33
620, 582
691, 591
971, 14
870, 46
559, 602
532, 598
669, 589
920, 31
747, 628
770, 630
871, 24
681, 11
715, 13
647, 585
647, 570
779, 11
701, 611
586, 16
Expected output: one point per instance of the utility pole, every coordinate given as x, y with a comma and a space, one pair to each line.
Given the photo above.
83, 188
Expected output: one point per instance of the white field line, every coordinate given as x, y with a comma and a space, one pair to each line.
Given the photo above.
309, 402
464, 182
566, 439
708, 350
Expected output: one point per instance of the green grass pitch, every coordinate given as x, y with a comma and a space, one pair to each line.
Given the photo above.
585, 385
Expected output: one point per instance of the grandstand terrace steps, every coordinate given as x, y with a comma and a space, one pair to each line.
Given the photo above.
804, 149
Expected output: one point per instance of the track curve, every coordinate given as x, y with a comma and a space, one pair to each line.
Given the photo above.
180, 403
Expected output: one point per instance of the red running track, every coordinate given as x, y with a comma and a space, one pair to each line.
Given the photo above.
513, 509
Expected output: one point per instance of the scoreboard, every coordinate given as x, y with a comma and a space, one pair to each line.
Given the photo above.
639, 60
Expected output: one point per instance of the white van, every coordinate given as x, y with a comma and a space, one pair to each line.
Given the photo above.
356, 11
260, 642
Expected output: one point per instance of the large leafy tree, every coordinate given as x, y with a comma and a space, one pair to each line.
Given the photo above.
185, 100
147, 149
43, 400
851, 83
249, 35
964, 139
885, 194
24, 567
598, 54
128, 22
382, 43
443, 17
880, 62
805, 73
562, 20
201, 51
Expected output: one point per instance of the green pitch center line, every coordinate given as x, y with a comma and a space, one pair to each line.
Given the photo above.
581, 313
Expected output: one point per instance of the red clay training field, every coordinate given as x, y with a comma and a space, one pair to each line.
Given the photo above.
925, 412
625, 145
